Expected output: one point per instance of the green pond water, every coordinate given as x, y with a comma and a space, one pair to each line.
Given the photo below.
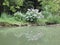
37, 35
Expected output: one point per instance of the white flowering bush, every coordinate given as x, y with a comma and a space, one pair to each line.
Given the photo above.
32, 15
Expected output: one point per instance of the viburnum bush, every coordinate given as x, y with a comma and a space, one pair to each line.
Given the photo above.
32, 15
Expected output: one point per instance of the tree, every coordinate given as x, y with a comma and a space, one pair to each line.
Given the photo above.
1, 6
12, 6
52, 6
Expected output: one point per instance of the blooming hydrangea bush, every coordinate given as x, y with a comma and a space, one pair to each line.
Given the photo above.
33, 14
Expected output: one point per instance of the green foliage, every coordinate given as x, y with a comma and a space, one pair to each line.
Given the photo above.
53, 19
49, 14
8, 18
51, 11
52, 6
13, 4
41, 21
20, 5
28, 4
34, 16
46, 13
19, 16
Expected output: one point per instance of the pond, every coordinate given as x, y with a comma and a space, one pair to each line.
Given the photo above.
37, 35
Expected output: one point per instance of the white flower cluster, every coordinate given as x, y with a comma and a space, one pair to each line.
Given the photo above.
33, 14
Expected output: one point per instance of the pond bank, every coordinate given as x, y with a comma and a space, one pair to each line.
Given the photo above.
6, 24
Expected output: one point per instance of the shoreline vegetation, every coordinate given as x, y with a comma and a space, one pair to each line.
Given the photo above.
6, 24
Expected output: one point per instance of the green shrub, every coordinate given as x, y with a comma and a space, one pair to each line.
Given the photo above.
46, 13
8, 18
19, 16
41, 21
53, 19
5, 15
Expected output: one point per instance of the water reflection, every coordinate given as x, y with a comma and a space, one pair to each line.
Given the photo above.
28, 36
